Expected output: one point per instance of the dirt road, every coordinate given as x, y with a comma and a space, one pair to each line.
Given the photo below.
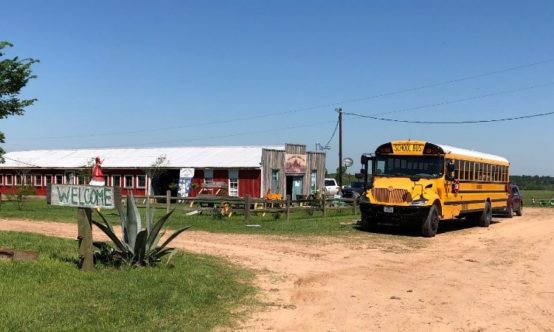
464, 279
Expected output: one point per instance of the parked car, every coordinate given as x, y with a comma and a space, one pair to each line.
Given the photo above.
515, 202
354, 190
331, 187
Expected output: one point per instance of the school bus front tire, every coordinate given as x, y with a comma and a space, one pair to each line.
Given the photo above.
368, 223
430, 225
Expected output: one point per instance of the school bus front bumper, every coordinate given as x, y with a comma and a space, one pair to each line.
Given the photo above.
394, 214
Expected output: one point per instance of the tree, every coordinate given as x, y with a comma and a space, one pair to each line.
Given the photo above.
14, 75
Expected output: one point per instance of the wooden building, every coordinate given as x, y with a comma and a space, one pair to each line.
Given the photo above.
187, 171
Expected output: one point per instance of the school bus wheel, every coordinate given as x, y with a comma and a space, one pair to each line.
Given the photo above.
430, 225
368, 223
486, 216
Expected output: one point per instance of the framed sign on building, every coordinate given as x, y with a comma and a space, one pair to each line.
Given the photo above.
295, 163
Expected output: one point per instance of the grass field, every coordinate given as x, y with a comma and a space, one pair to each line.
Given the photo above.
537, 194
300, 222
197, 293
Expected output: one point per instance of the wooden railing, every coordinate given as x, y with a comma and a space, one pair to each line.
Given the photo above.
247, 206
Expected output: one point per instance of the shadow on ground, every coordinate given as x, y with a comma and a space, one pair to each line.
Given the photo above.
445, 226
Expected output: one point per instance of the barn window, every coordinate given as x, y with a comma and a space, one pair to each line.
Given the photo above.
116, 180
18, 180
9, 180
233, 182
128, 181
59, 179
48, 179
208, 175
1, 179
38, 180
141, 181
106, 180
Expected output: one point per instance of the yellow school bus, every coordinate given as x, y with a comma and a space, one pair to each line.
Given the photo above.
422, 183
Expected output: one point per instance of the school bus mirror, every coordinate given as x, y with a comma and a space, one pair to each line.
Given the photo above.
451, 176
366, 158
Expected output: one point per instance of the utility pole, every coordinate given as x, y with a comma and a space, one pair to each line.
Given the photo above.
339, 110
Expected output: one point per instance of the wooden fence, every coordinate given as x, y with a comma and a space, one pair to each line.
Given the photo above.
231, 206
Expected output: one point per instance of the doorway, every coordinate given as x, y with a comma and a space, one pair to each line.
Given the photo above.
294, 186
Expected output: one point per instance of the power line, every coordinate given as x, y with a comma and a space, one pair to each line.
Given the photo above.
461, 100
449, 102
451, 122
332, 135
19, 161
203, 138
347, 101
447, 82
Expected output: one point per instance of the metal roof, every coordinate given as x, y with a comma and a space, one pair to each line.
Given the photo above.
471, 153
176, 157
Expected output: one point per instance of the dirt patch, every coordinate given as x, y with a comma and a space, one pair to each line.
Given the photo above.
464, 279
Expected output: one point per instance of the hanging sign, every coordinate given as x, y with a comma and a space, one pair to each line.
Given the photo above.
185, 181
82, 196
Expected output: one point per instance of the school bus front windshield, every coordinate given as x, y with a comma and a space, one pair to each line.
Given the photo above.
408, 166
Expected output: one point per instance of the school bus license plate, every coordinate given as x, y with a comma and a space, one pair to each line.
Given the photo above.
388, 209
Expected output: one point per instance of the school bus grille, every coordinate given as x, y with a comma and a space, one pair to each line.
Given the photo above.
386, 195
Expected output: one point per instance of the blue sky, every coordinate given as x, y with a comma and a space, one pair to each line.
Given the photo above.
184, 73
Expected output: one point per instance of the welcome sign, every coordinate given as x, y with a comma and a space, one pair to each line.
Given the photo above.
83, 196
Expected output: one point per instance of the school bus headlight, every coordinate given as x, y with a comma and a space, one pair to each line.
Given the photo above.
421, 201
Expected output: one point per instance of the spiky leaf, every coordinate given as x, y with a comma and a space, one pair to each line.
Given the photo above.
156, 229
172, 236
105, 221
133, 221
120, 245
158, 254
140, 247
149, 216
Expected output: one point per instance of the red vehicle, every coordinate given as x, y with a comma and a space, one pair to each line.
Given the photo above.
515, 202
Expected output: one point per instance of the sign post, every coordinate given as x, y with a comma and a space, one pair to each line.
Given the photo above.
84, 236
84, 198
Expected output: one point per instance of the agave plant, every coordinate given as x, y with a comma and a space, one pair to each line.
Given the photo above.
137, 246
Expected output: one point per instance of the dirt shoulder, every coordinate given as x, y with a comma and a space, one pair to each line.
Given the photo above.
464, 279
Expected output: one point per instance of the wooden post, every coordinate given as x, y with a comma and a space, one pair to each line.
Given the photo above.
84, 235
287, 207
167, 201
323, 204
247, 208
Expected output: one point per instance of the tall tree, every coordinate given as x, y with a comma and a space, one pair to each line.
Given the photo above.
14, 75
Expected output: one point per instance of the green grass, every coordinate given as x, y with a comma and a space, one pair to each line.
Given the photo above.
538, 194
196, 293
300, 222
38, 210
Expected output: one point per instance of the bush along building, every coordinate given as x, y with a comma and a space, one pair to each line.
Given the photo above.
187, 171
